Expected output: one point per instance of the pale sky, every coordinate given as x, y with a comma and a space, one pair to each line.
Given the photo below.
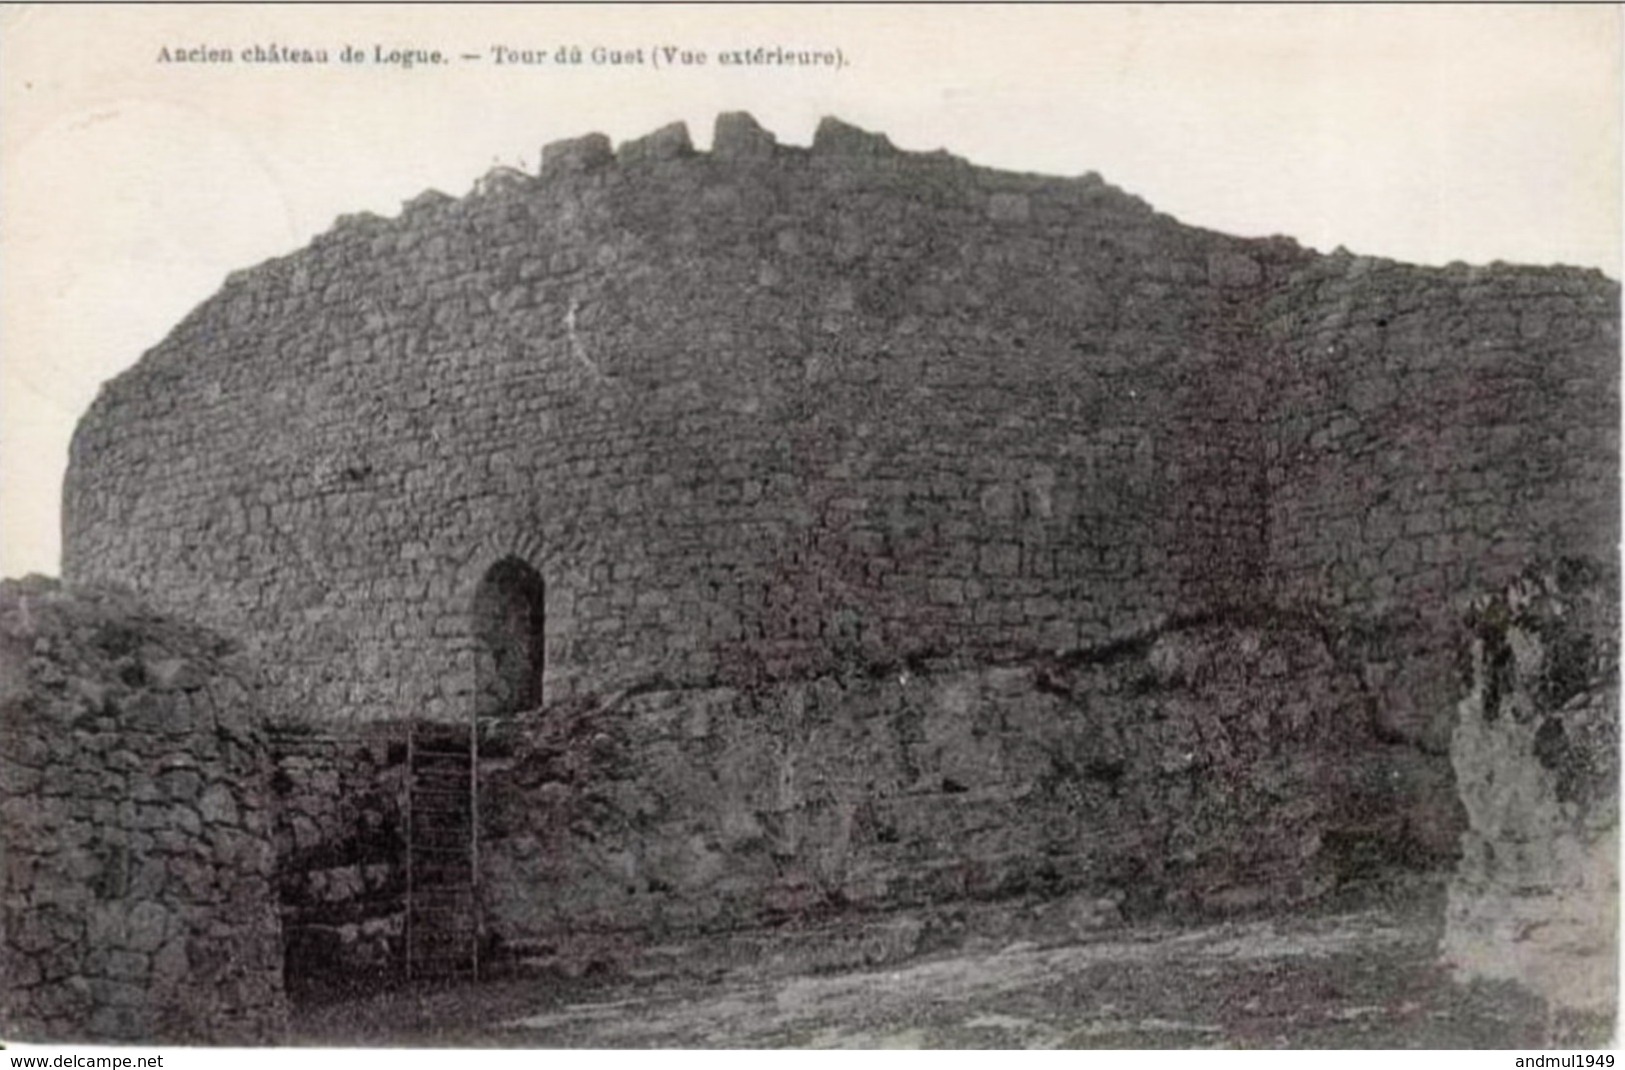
132, 187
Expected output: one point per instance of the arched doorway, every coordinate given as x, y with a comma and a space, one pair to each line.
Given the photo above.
508, 617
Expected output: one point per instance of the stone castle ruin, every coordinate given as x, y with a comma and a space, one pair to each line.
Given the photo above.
681, 543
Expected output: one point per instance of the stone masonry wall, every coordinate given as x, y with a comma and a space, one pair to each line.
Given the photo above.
744, 412
1201, 767
1432, 433
339, 833
1535, 898
744, 422
136, 899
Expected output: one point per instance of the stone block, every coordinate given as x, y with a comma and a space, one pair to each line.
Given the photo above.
576, 155
180, 785
218, 807
174, 674
1534, 897
745, 428
670, 142
127, 965
999, 559
1009, 207
737, 136
836, 138
507, 179
343, 884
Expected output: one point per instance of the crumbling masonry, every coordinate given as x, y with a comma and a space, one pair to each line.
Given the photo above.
843, 529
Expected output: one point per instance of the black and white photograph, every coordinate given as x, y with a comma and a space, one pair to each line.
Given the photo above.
768, 526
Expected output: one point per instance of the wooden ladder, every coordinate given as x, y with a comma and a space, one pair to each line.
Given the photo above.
442, 929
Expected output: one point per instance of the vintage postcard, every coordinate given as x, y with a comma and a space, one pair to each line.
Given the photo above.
809, 526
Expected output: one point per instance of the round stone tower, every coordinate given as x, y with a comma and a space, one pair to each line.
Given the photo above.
658, 413
854, 526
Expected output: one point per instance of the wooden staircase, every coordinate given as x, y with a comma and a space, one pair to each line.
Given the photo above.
442, 935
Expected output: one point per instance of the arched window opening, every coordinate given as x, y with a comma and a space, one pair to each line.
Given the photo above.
508, 616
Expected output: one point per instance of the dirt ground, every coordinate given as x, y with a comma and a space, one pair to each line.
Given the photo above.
1347, 975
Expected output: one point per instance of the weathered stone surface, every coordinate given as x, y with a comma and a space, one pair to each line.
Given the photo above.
738, 136
425, 203
339, 799
1234, 269
98, 891
1009, 207
1064, 423
503, 180
667, 143
1198, 768
173, 674
835, 138
1535, 898
718, 435
576, 155
218, 807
